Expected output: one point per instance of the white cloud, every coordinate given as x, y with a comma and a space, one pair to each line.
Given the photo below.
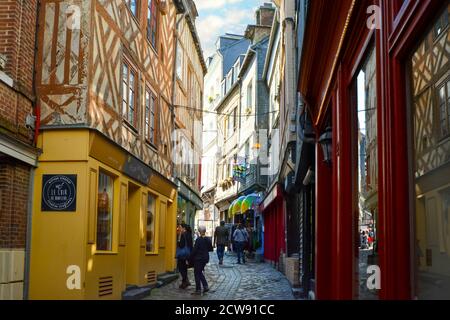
211, 26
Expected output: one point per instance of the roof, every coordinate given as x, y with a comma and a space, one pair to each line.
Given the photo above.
232, 52
250, 54
188, 6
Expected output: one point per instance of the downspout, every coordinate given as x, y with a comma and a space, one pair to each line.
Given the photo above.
26, 276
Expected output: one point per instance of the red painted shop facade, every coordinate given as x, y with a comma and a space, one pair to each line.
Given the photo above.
376, 75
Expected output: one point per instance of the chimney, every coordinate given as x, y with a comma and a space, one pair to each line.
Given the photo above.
265, 14
264, 19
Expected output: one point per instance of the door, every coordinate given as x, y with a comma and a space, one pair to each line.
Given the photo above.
132, 235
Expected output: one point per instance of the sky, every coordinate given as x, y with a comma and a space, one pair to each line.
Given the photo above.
217, 17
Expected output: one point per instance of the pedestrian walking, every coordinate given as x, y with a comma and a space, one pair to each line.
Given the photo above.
233, 246
364, 242
199, 258
221, 235
184, 248
370, 238
240, 237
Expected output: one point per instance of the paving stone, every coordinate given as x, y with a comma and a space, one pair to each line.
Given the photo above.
231, 281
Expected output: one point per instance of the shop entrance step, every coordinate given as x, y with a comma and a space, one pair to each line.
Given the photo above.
166, 278
137, 293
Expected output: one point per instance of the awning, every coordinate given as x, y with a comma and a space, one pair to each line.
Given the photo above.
251, 202
230, 209
235, 207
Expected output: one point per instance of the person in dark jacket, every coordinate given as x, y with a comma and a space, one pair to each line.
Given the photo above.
185, 239
199, 258
221, 236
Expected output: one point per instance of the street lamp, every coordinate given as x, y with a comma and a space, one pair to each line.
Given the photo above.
326, 141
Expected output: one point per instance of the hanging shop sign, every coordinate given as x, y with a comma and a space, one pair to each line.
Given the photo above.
240, 172
59, 192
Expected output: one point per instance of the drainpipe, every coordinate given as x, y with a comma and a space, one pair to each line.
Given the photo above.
37, 111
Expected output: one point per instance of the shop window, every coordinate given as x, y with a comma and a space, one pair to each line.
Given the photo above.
133, 5
430, 116
152, 22
150, 224
105, 212
129, 99
367, 155
151, 116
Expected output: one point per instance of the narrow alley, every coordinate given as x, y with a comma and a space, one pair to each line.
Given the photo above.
138, 136
231, 281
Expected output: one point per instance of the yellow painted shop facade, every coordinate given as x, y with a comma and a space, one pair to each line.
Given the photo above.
116, 224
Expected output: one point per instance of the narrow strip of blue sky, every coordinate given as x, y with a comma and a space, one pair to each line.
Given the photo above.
217, 17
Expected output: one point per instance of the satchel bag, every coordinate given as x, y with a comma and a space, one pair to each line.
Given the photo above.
183, 253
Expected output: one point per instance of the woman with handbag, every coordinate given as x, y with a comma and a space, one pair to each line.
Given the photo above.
184, 249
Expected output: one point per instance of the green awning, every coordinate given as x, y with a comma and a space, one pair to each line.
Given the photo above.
230, 209
250, 202
237, 205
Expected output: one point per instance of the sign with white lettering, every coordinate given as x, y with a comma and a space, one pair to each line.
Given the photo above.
59, 192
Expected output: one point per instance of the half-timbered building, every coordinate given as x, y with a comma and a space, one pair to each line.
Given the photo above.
104, 199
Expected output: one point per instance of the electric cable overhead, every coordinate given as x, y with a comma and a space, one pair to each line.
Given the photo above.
223, 114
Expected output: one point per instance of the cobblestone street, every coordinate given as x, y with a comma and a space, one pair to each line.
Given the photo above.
230, 281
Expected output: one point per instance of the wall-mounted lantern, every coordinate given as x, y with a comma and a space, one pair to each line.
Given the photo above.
326, 141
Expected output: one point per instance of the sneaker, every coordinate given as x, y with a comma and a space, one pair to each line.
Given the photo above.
221, 261
205, 290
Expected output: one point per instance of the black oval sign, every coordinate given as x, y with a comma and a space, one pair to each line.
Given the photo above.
59, 192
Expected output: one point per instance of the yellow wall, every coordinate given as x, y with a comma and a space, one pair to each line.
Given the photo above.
57, 238
68, 238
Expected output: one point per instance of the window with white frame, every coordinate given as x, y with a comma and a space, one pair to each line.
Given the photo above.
152, 22
151, 115
179, 64
129, 99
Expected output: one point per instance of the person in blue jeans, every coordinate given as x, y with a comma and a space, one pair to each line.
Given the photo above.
240, 237
221, 235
